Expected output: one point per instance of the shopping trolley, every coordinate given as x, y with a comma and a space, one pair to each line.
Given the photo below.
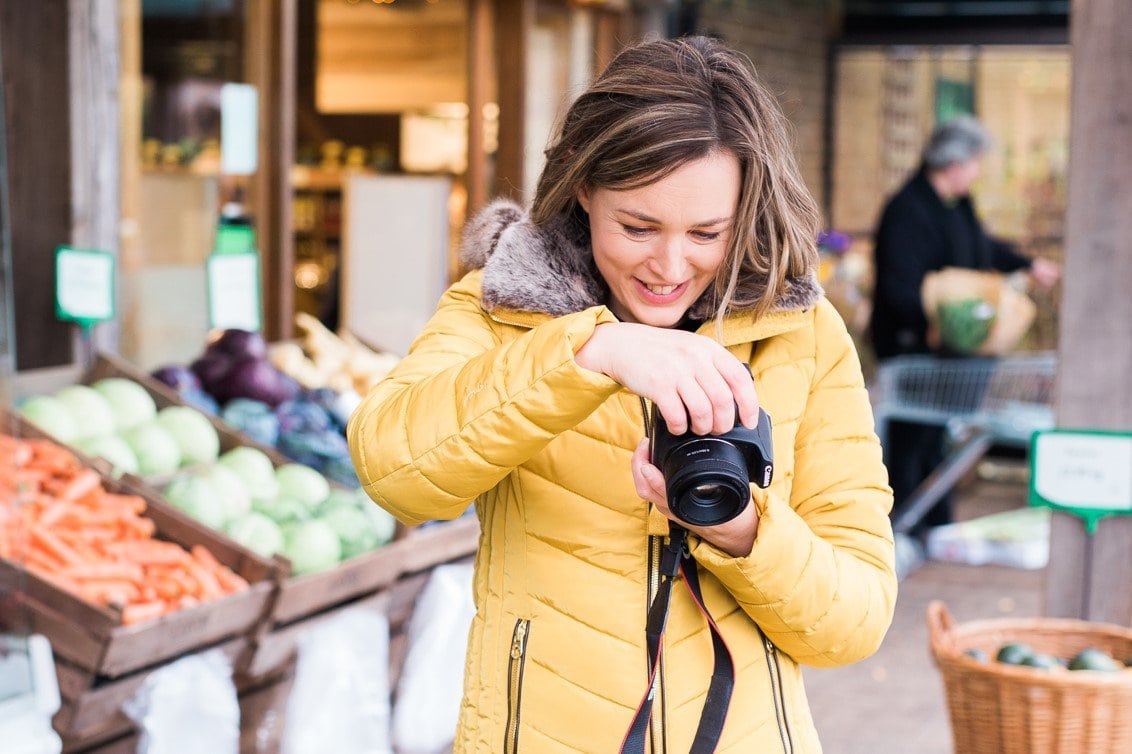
979, 401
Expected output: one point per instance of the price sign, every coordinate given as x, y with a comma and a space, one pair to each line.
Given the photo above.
234, 291
85, 289
1086, 473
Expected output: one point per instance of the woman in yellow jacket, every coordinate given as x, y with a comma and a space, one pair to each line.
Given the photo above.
669, 249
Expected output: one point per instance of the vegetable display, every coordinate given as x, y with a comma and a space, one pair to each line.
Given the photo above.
290, 510
73, 533
303, 413
117, 420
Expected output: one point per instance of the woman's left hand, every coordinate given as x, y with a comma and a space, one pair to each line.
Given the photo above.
736, 537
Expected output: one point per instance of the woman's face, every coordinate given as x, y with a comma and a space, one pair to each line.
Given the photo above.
659, 246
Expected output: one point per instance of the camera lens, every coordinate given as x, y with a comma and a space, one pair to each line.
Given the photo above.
707, 494
707, 481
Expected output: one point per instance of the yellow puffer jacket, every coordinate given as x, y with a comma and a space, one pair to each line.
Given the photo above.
489, 407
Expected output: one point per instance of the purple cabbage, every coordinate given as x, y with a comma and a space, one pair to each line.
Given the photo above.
177, 376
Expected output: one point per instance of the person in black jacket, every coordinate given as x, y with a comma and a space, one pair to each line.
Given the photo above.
927, 225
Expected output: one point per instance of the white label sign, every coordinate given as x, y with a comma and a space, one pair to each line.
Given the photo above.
84, 285
233, 291
239, 129
1084, 470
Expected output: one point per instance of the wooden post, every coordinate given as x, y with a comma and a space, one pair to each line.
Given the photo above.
94, 63
37, 134
270, 48
515, 19
1089, 577
480, 71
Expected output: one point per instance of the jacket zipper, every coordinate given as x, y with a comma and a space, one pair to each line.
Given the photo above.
515, 666
776, 694
658, 725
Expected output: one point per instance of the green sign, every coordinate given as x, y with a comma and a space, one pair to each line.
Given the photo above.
235, 239
234, 291
1084, 472
85, 285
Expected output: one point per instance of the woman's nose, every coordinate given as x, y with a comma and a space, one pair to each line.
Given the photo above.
669, 260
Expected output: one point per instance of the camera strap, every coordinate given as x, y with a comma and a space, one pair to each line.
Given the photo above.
675, 558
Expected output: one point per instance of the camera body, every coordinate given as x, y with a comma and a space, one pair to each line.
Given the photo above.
708, 477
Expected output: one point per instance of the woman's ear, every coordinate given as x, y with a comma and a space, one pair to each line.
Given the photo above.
584, 198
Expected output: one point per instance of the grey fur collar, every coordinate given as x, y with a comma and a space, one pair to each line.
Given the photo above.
551, 269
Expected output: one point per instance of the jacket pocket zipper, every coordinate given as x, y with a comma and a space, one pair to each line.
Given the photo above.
515, 667
777, 695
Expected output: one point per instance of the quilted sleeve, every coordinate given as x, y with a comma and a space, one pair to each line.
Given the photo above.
820, 580
463, 409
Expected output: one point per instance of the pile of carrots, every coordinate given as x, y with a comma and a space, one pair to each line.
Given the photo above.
68, 530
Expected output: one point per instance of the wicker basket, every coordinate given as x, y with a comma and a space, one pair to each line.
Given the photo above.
1006, 709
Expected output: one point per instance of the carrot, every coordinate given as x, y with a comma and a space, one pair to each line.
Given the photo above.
131, 572
52, 545
148, 552
231, 581
96, 544
207, 583
139, 612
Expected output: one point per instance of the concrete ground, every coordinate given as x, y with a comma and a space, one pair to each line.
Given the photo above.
893, 703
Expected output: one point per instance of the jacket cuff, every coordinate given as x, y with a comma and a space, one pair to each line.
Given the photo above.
773, 569
579, 328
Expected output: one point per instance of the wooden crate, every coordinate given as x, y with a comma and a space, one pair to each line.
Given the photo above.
93, 638
107, 365
92, 714
302, 596
415, 550
92, 723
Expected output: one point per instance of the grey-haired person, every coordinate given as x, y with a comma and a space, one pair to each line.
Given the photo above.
929, 224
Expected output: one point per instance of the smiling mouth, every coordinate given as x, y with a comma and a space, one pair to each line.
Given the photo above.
661, 294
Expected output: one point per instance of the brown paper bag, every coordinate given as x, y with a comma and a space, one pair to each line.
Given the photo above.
1014, 311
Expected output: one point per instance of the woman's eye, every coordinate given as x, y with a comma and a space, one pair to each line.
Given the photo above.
705, 236
633, 230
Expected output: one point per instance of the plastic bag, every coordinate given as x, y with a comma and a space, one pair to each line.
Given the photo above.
340, 698
188, 707
431, 683
977, 311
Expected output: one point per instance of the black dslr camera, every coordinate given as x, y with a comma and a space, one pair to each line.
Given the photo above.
708, 477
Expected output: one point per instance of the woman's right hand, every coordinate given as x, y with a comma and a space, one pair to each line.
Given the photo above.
686, 375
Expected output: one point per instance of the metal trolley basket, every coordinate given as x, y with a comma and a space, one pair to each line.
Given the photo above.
980, 401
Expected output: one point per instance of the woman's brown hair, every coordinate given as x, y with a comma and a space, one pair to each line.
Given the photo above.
662, 104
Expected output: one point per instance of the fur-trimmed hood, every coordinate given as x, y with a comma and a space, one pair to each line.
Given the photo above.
551, 269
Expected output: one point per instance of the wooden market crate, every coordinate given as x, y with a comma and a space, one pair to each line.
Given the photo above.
94, 724
93, 638
107, 365
414, 550
92, 714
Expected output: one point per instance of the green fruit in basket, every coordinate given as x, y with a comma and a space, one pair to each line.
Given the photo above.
1094, 659
130, 403
91, 412
157, 451
1041, 661
193, 432
977, 654
114, 449
51, 416
1014, 653
965, 323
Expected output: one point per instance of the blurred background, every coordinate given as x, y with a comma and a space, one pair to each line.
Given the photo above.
457, 99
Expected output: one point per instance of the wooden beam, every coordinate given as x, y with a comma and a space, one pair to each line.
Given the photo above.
269, 56
1089, 577
481, 69
35, 53
515, 20
95, 148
